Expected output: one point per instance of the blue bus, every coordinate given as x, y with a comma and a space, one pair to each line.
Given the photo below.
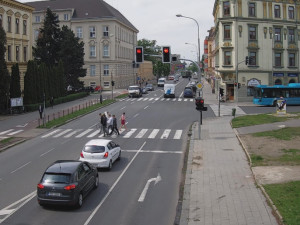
268, 95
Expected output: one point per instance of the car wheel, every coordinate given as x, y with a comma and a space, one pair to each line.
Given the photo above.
79, 200
96, 182
119, 157
109, 165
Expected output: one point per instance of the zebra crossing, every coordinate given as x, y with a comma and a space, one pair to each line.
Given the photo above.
10, 132
157, 99
130, 133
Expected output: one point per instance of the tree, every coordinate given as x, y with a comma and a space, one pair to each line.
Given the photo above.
47, 45
30, 83
72, 55
15, 86
4, 75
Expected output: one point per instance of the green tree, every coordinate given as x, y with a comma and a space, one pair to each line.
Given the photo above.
47, 45
15, 86
72, 55
4, 75
30, 83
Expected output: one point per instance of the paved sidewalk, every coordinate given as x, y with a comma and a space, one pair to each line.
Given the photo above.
220, 187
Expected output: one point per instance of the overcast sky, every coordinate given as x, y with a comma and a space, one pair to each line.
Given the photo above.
156, 20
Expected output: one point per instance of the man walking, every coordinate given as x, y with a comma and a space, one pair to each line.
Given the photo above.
109, 124
41, 109
114, 126
103, 124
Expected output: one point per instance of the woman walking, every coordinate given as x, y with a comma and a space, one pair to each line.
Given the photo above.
123, 121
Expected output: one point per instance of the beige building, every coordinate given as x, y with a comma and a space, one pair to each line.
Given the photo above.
16, 20
265, 31
145, 72
109, 38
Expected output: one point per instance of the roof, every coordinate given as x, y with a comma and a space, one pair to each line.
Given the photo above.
84, 9
63, 166
100, 142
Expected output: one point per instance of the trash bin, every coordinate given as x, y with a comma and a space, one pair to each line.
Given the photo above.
233, 112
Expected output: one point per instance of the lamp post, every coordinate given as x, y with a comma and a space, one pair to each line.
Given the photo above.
179, 15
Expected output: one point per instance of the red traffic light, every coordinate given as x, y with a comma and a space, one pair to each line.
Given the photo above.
138, 50
166, 50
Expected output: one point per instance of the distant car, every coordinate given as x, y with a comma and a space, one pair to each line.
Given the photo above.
188, 92
97, 88
171, 77
144, 90
67, 182
161, 82
101, 153
134, 91
149, 87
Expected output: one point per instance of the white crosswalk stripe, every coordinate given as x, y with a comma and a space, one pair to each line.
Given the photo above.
178, 134
15, 132
7, 131
166, 134
72, 133
153, 133
83, 133
62, 133
130, 133
93, 134
141, 133
51, 133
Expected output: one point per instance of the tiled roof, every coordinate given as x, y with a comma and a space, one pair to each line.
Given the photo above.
83, 9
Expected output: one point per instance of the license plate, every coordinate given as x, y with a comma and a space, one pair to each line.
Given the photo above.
54, 194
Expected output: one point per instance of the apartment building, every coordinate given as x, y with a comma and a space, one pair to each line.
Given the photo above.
16, 20
267, 32
109, 38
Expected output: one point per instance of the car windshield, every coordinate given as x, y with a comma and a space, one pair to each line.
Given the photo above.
94, 149
161, 80
133, 88
56, 178
149, 85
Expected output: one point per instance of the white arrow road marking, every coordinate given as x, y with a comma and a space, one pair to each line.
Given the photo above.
24, 125
143, 195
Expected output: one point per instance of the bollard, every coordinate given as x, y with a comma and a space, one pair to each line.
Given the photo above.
233, 112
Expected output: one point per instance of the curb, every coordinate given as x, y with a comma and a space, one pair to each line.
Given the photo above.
9, 146
269, 200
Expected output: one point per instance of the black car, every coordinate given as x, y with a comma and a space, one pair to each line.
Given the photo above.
67, 182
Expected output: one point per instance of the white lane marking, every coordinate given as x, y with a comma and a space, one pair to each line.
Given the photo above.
145, 99
93, 134
83, 133
62, 133
47, 152
191, 100
130, 133
166, 133
153, 133
53, 132
113, 186
23, 125
141, 133
6, 211
154, 151
144, 192
151, 99
20, 167
136, 115
72, 133
146, 107
7, 131
18, 131
156, 99
178, 134
180, 99
123, 108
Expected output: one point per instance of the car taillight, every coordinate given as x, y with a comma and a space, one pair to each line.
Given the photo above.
81, 155
105, 155
40, 186
70, 187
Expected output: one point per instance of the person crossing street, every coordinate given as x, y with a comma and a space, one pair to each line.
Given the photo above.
114, 125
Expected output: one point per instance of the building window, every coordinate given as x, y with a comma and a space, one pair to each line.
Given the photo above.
92, 51
292, 61
105, 51
36, 34
17, 53
227, 58
105, 31
9, 24
278, 59
17, 25
277, 11
291, 37
9, 53
227, 32
226, 8
79, 32
92, 70
291, 12
252, 59
106, 70
106, 84
278, 34
252, 9
92, 32
25, 54
37, 19
252, 33
1, 19
66, 17
24, 27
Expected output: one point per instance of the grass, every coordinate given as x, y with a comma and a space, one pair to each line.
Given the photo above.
250, 120
291, 156
287, 133
6, 140
286, 197
256, 160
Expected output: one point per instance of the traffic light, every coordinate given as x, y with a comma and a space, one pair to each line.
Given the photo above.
199, 103
139, 54
246, 60
112, 83
166, 54
239, 85
221, 92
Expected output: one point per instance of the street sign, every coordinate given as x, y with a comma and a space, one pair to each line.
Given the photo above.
200, 85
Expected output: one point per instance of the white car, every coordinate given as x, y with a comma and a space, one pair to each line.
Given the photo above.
101, 153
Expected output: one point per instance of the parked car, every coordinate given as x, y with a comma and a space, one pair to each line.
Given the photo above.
101, 153
134, 91
67, 182
144, 90
149, 87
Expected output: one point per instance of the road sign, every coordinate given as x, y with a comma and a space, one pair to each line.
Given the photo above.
200, 85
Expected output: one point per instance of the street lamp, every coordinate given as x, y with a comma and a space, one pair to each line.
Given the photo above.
179, 15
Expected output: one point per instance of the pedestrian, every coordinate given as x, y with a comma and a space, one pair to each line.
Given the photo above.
109, 124
41, 110
103, 124
123, 121
52, 101
115, 125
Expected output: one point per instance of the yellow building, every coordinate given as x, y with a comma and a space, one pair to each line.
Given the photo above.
145, 72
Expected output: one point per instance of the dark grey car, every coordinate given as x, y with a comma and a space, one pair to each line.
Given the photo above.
67, 182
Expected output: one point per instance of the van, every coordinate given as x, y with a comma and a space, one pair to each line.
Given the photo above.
169, 91
161, 82
134, 91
